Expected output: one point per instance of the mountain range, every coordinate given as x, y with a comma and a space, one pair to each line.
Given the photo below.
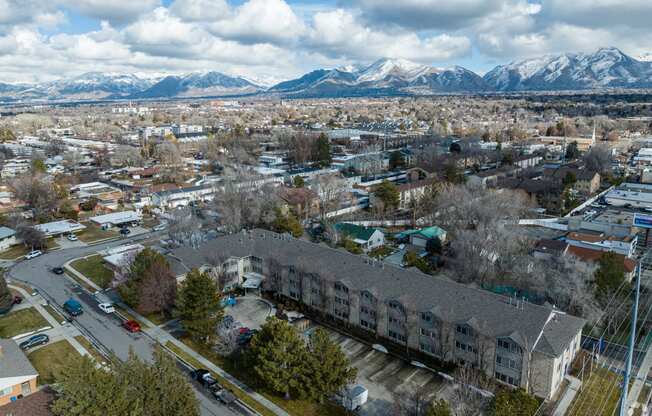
606, 68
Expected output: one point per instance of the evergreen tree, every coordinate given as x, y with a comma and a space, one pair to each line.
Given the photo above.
199, 306
439, 408
299, 182
388, 193
328, 368
513, 403
323, 151
6, 298
572, 151
396, 160
287, 224
610, 273
131, 388
279, 357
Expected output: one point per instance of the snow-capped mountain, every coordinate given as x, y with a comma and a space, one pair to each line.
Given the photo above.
98, 85
383, 77
605, 68
199, 84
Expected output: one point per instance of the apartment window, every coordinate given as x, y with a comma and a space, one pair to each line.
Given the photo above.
25, 388
315, 291
6, 391
505, 378
464, 330
341, 314
396, 306
465, 347
340, 287
294, 294
427, 333
368, 325
367, 296
426, 317
393, 320
427, 348
397, 336
342, 301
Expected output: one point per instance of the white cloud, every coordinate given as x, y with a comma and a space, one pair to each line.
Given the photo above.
339, 34
118, 11
200, 10
261, 21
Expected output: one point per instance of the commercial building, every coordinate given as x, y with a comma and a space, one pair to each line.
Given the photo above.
106, 195
17, 375
426, 318
635, 195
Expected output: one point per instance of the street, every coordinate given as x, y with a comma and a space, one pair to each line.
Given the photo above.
104, 328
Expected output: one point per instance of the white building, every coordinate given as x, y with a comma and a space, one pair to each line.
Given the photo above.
117, 218
55, 228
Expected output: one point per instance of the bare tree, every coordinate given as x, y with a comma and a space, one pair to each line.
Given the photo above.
125, 155
31, 237
331, 190
598, 159
168, 154
184, 227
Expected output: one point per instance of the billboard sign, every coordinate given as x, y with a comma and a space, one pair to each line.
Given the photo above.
642, 221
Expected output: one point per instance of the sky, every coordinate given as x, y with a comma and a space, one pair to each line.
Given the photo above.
273, 40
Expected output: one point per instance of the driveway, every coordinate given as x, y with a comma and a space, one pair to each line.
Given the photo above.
104, 329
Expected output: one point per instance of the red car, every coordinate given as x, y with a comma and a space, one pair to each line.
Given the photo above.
131, 326
17, 299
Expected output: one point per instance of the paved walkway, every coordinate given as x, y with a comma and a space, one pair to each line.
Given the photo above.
639, 380
162, 337
81, 277
570, 393
57, 332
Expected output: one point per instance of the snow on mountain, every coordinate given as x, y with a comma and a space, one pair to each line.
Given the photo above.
199, 84
383, 77
605, 68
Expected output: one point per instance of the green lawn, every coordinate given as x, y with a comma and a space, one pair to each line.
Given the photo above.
53, 312
20, 322
14, 252
51, 359
292, 406
94, 233
589, 401
94, 269
89, 347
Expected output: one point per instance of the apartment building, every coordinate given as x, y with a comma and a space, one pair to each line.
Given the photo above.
519, 344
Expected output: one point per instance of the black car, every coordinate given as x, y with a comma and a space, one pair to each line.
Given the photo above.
57, 270
125, 231
34, 341
204, 378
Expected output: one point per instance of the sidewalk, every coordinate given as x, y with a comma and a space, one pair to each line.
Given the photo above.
58, 331
570, 393
83, 278
162, 337
639, 380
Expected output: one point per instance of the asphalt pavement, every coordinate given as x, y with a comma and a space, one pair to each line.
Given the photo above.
103, 329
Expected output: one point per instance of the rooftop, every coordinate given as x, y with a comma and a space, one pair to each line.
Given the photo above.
491, 314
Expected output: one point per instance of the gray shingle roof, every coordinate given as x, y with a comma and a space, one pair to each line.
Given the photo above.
6, 232
13, 362
493, 315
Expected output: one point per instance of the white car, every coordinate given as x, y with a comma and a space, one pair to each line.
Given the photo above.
72, 237
160, 227
33, 254
106, 307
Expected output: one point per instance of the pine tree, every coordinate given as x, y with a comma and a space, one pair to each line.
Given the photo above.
199, 306
6, 298
329, 369
279, 357
151, 286
388, 193
323, 150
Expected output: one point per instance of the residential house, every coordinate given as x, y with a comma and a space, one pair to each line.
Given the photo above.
587, 182
302, 201
548, 248
7, 238
367, 238
621, 245
411, 192
108, 197
17, 375
182, 197
425, 318
420, 237
589, 255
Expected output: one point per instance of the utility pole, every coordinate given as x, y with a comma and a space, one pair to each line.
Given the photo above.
632, 340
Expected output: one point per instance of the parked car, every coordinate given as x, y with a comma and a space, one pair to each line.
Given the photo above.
106, 307
73, 307
17, 300
204, 377
160, 227
32, 254
57, 270
125, 231
224, 396
72, 237
34, 341
131, 325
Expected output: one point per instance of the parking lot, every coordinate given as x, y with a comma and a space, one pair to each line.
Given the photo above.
387, 377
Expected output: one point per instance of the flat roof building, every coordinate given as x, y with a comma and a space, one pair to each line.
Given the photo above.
51, 229
117, 218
